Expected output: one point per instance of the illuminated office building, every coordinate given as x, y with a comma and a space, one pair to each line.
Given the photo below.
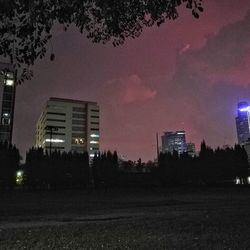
69, 125
174, 141
242, 122
7, 101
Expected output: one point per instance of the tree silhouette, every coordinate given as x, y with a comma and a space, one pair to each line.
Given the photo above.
26, 26
207, 164
241, 163
9, 163
105, 169
211, 167
56, 170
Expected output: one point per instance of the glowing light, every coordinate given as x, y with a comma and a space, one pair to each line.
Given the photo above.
78, 140
10, 75
19, 173
19, 177
245, 109
91, 155
180, 133
94, 142
54, 140
9, 82
94, 136
237, 181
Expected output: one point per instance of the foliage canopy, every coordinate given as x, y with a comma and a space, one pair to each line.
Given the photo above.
26, 25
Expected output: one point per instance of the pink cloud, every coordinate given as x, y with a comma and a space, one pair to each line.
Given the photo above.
136, 90
129, 90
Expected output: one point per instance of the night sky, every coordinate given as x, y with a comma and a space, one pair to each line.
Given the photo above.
188, 74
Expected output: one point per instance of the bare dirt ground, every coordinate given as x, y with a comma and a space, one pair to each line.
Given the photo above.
184, 218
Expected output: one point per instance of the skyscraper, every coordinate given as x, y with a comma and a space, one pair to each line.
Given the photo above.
242, 122
69, 125
7, 101
174, 141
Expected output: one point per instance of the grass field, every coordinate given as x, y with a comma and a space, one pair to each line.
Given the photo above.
185, 218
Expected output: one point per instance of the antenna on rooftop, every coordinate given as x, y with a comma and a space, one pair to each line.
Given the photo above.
157, 147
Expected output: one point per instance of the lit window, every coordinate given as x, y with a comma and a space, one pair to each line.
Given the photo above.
94, 135
94, 142
94, 149
79, 141
9, 82
54, 140
10, 75
5, 121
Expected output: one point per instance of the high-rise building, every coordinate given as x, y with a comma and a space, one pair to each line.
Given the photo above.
242, 122
69, 125
174, 141
7, 101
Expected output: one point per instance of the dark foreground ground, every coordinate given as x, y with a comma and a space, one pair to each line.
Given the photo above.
211, 218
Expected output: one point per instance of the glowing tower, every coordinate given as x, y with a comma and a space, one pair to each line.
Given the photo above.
242, 122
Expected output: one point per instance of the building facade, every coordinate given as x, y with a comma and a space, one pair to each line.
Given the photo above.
69, 125
174, 141
7, 101
190, 147
242, 122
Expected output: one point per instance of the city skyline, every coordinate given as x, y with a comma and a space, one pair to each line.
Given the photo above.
186, 74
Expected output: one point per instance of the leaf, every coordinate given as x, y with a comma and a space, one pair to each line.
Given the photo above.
52, 57
196, 15
200, 9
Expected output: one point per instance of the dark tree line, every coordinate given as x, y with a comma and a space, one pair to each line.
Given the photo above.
105, 169
209, 168
73, 170
58, 170
9, 163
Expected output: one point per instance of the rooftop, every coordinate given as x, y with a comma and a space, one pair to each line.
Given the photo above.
70, 100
